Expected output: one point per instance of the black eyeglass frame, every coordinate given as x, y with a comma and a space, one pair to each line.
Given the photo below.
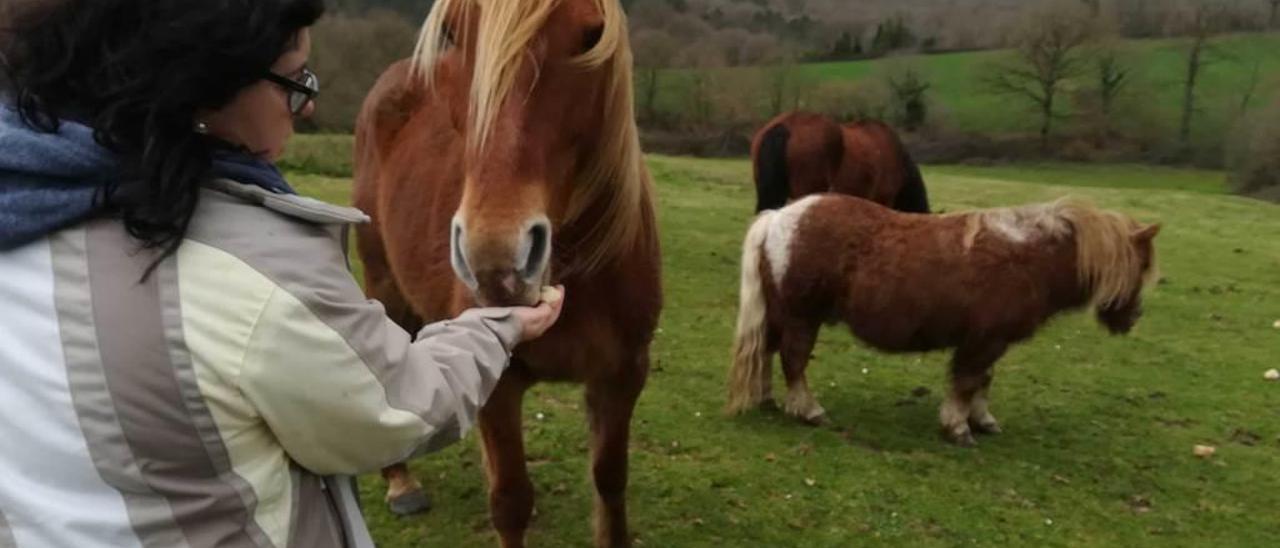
301, 91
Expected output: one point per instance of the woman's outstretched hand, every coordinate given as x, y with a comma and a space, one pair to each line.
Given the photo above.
536, 320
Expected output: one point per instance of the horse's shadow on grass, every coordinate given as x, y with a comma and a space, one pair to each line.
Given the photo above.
886, 422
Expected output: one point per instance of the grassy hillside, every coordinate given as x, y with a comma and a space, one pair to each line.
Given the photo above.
1099, 429
1153, 99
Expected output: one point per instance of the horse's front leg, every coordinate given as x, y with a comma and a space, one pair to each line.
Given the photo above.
405, 495
510, 491
970, 377
610, 404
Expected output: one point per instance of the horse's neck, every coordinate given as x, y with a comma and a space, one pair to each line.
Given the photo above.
1061, 277
573, 236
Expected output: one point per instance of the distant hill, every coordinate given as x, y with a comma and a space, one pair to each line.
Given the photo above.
743, 32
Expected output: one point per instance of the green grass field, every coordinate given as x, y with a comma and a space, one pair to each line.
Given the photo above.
1099, 430
1151, 106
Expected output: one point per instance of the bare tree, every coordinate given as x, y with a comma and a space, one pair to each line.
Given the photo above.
701, 58
1112, 74
778, 84
1255, 78
1254, 158
1048, 53
357, 47
655, 50
907, 86
1200, 21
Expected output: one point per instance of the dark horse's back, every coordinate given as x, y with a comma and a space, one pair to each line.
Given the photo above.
800, 153
794, 155
912, 196
878, 167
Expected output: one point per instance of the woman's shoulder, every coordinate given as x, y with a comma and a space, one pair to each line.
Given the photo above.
291, 207
289, 238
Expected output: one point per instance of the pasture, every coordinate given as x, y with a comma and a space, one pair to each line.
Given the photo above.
1099, 430
1148, 104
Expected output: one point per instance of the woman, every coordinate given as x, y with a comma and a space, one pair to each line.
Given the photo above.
184, 358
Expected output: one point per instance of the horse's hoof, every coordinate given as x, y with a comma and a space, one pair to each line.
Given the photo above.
961, 439
817, 420
408, 504
992, 427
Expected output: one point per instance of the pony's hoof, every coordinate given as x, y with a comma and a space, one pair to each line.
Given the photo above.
410, 503
817, 420
962, 439
989, 427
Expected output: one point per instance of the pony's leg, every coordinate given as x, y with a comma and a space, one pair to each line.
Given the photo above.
970, 373
610, 404
510, 491
798, 339
980, 418
405, 496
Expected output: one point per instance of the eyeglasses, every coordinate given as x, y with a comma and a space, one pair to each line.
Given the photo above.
302, 91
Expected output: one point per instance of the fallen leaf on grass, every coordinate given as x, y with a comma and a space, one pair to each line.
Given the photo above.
1140, 504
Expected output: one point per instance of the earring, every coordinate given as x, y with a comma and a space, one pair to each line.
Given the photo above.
201, 128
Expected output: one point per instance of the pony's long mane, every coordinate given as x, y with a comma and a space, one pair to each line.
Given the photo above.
615, 184
1107, 261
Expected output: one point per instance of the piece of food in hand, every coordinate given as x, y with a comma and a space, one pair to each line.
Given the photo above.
551, 295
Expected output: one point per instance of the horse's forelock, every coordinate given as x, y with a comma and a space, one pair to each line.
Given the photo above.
1107, 259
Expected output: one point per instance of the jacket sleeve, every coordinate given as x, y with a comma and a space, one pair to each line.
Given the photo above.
347, 391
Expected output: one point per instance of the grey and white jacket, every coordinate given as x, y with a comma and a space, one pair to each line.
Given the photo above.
218, 402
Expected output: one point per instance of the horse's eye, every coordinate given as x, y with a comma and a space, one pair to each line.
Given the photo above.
591, 38
450, 37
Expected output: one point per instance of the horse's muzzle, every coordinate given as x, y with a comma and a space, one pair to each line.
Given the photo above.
503, 271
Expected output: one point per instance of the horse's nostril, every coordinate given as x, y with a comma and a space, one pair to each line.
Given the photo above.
458, 255
539, 242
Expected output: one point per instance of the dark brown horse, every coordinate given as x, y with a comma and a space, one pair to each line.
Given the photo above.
801, 153
976, 282
502, 158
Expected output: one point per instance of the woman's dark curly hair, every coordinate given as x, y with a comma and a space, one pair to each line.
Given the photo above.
138, 72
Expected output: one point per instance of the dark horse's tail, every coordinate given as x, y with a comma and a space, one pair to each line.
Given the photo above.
913, 197
773, 188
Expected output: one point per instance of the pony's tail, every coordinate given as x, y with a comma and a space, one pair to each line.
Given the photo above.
773, 185
913, 197
749, 374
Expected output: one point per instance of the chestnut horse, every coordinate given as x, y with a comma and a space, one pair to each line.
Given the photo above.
801, 153
975, 282
504, 157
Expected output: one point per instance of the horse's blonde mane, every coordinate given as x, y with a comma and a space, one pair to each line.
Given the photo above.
1107, 261
616, 181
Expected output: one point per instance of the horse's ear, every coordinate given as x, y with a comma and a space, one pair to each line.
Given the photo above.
1147, 233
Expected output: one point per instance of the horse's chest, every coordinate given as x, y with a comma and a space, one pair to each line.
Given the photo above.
580, 349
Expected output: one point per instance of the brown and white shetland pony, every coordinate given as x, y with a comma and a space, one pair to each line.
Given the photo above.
503, 157
801, 153
974, 282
